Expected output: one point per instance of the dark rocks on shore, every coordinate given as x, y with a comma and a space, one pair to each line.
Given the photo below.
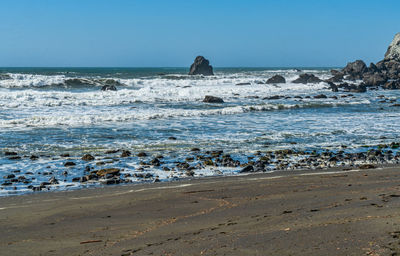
246, 169
107, 172
212, 99
307, 78
276, 79
201, 66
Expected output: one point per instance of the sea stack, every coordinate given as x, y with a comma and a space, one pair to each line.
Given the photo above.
201, 66
393, 51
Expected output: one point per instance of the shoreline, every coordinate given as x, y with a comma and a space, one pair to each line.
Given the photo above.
110, 168
324, 212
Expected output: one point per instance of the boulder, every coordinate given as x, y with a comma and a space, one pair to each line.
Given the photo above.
336, 78
355, 69
333, 86
88, 157
276, 79
375, 79
320, 96
307, 78
107, 172
336, 72
212, 99
359, 88
201, 66
392, 85
373, 68
109, 87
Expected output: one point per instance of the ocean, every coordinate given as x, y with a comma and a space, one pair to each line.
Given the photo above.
57, 115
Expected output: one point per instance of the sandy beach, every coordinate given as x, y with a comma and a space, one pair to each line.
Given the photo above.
334, 212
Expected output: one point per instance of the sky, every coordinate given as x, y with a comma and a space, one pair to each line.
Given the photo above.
171, 33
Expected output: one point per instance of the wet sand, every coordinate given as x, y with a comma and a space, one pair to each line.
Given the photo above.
334, 212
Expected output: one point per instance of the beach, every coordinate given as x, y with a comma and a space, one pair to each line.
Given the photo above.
326, 212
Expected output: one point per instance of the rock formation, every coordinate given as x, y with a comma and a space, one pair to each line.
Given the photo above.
393, 51
201, 66
385, 73
307, 78
276, 79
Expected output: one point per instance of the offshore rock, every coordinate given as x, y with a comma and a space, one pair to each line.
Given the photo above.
109, 87
375, 79
355, 69
201, 66
307, 78
212, 99
276, 79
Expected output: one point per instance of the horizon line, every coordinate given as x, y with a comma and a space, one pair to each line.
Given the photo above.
172, 67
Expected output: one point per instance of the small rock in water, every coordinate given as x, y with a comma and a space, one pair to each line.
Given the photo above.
9, 176
33, 157
68, 164
109, 171
108, 87
14, 158
307, 78
8, 153
53, 180
112, 151
212, 99
320, 96
126, 153
88, 157
142, 154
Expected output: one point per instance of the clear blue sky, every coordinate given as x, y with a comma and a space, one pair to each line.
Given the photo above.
171, 33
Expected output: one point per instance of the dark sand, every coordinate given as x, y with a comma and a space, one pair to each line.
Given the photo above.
342, 213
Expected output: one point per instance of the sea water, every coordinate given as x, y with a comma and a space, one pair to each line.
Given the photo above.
48, 112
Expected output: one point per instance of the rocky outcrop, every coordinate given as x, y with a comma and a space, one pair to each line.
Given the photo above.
201, 66
393, 51
212, 99
355, 70
385, 73
374, 79
307, 78
276, 79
